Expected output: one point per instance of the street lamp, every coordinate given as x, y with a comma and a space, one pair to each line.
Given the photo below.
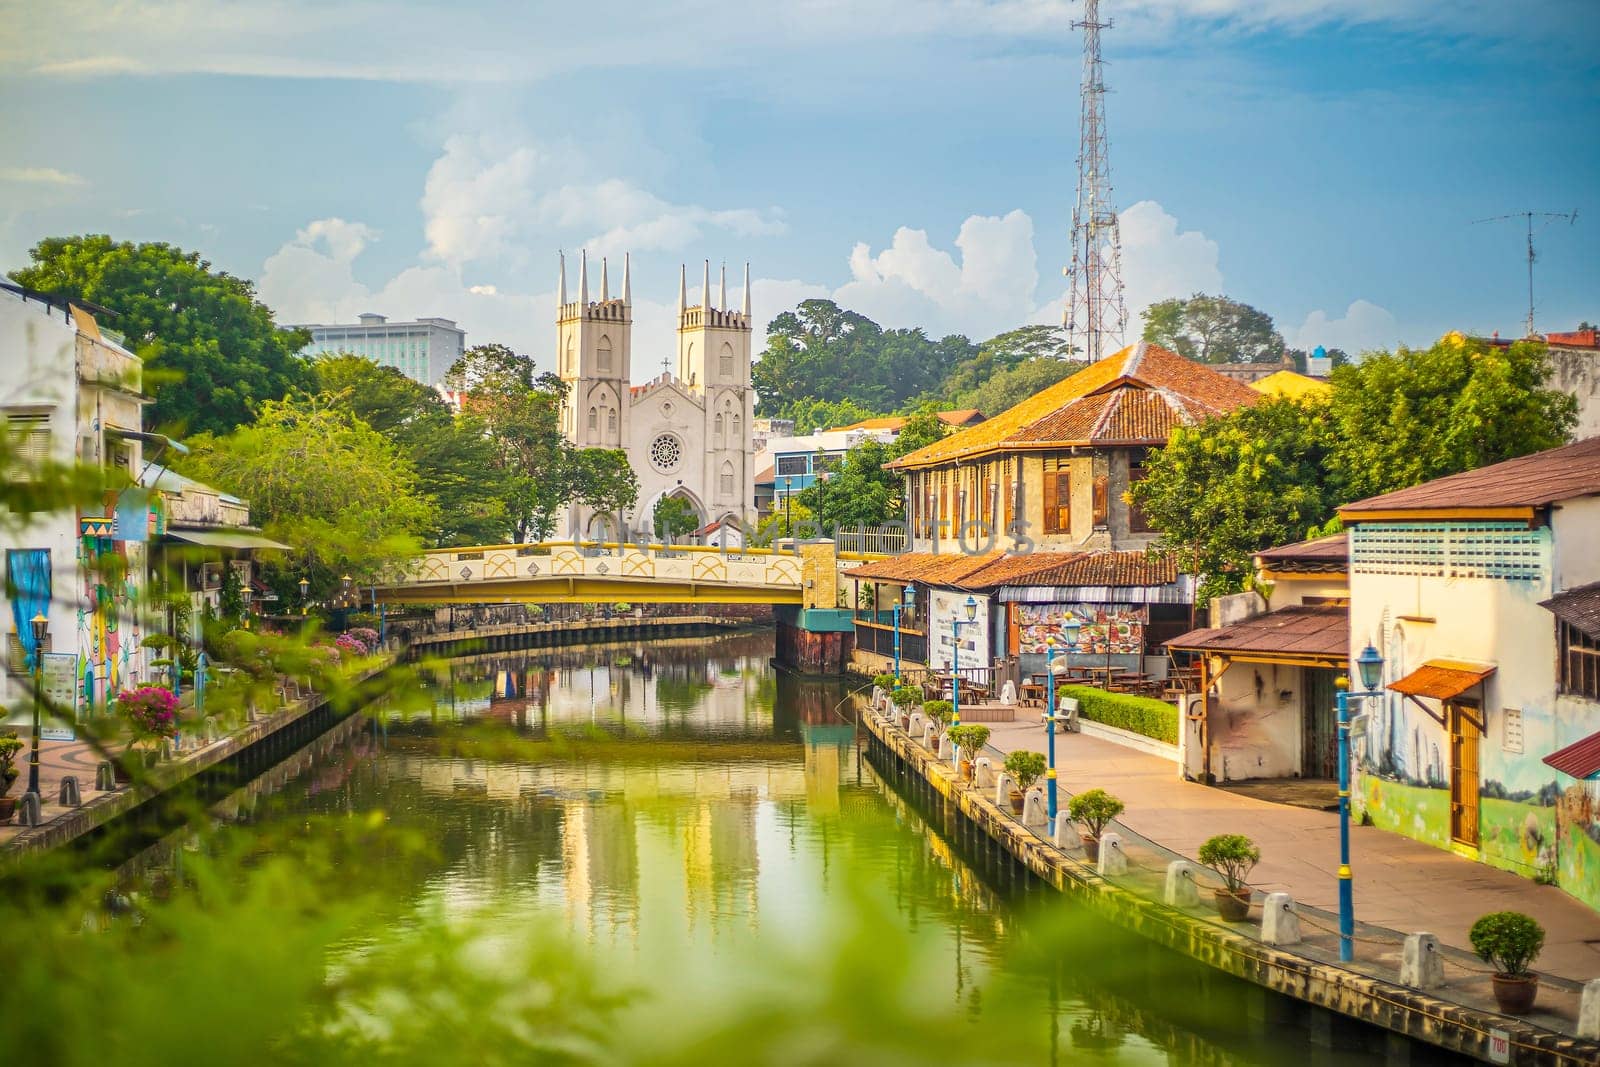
305, 588
908, 601
788, 490
41, 629
955, 666
1369, 665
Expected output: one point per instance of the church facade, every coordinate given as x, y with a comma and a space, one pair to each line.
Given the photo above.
686, 432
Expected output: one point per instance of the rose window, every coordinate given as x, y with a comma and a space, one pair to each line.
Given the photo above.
665, 452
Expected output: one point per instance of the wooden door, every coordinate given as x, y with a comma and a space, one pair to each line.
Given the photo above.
1464, 736
1319, 757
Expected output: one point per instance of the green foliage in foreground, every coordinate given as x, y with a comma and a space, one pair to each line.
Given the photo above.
1140, 715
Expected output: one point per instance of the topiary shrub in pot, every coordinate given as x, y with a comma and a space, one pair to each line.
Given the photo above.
1233, 856
905, 700
10, 745
1093, 809
1026, 767
971, 738
1510, 941
886, 682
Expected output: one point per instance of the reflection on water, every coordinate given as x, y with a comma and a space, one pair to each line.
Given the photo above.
699, 823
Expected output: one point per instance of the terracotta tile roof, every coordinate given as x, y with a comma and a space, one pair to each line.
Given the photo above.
1065, 569
1578, 608
1581, 759
930, 568
1322, 555
1442, 679
958, 417
1136, 396
1528, 481
1574, 339
767, 476
1319, 631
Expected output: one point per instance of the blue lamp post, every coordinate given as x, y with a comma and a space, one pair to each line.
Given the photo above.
955, 666
1370, 667
1070, 630
909, 602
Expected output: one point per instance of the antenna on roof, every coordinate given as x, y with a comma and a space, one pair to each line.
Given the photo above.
1529, 216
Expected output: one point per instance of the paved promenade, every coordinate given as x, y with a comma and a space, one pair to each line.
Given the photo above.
57, 759
1399, 883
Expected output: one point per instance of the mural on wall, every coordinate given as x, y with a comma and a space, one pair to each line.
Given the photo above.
1039, 623
108, 626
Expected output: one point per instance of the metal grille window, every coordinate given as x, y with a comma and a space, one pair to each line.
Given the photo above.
1505, 550
791, 465
1579, 662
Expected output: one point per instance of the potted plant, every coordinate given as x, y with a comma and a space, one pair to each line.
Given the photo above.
10, 745
904, 697
941, 712
151, 712
1026, 768
1509, 941
971, 738
1232, 856
1093, 809
886, 682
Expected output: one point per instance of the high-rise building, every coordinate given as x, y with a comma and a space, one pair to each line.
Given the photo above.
423, 350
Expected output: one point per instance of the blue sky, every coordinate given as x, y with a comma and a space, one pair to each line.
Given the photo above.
1321, 159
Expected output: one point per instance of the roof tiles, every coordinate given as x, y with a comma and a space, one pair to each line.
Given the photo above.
995, 569
1137, 396
1528, 481
1318, 631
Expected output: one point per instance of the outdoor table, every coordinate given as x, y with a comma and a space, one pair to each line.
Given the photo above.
1033, 693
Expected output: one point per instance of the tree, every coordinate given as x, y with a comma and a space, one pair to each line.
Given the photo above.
454, 457
858, 490
211, 350
1010, 386
1415, 414
323, 481
811, 415
1227, 488
1041, 346
601, 479
1213, 329
521, 413
674, 517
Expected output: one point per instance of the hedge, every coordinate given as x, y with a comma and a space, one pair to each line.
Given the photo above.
1140, 715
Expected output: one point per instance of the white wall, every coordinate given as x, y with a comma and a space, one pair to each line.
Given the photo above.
1257, 722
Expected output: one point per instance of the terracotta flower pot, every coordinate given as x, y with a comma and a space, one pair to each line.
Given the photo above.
1515, 993
1091, 847
1233, 904
1016, 801
966, 770
8, 808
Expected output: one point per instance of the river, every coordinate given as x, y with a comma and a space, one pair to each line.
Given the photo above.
661, 852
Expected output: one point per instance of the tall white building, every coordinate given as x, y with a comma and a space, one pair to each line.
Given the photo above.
686, 433
423, 350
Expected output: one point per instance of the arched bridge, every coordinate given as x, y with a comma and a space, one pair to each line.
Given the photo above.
571, 572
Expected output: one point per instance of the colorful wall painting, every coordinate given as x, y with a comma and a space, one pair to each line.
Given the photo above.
108, 623
1039, 623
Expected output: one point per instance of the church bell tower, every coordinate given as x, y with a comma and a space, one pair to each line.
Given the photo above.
714, 365
594, 345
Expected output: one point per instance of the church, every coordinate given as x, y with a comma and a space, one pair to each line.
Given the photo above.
686, 434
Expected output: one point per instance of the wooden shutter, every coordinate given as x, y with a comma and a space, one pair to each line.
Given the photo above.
1052, 521
1102, 498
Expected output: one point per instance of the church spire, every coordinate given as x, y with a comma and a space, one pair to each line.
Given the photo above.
583, 277
683, 291
561, 286
705, 293
627, 280
747, 289
605, 281
722, 297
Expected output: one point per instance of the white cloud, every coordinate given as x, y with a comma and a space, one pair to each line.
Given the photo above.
41, 176
1160, 261
1364, 326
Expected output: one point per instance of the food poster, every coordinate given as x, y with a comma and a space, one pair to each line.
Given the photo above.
1038, 624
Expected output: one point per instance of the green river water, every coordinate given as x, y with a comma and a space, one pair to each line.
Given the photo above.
660, 853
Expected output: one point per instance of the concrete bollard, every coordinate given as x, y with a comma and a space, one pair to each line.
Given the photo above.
1181, 889
930, 735
983, 773
70, 796
1003, 785
28, 809
919, 723
1279, 924
1065, 835
1589, 1011
1421, 966
1112, 859
1035, 815
165, 752
105, 777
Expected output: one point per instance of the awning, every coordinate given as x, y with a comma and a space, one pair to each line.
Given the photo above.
224, 539
1581, 759
1442, 679
1579, 608
1304, 632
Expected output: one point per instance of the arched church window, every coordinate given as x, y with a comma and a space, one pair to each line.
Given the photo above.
727, 479
603, 355
592, 419
572, 360
737, 439
717, 432
611, 420
725, 361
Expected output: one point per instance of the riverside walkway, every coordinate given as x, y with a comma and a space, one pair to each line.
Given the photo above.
1400, 884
